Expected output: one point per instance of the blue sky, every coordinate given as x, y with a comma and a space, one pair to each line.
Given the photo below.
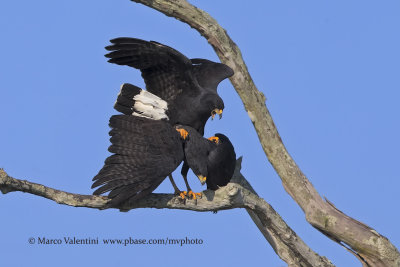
329, 70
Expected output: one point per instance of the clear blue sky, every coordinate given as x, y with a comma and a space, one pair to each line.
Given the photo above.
330, 72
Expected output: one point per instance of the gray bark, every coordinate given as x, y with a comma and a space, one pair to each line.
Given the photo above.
237, 194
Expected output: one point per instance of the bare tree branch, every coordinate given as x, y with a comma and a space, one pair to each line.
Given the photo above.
237, 194
370, 247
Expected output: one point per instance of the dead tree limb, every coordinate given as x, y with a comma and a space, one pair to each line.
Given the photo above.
237, 194
371, 248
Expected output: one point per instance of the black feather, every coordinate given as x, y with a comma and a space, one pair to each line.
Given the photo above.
188, 86
144, 151
221, 163
209, 74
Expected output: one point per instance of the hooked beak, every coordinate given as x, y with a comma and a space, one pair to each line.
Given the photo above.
214, 139
202, 179
216, 111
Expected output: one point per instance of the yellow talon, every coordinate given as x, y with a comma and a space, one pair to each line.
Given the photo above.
194, 194
183, 133
183, 194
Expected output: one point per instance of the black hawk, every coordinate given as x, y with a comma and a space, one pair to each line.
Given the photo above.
212, 160
188, 86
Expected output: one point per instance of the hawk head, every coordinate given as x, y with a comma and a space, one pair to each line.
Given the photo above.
213, 105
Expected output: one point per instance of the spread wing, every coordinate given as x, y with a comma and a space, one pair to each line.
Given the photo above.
209, 73
166, 72
144, 151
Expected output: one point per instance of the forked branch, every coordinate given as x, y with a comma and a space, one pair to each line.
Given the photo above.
371, 248
237, 194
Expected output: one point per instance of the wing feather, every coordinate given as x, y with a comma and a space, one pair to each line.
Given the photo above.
209, 73
166, 72
144, 152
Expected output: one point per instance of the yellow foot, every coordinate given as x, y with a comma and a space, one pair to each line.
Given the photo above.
183, 133
194, 195
183, 194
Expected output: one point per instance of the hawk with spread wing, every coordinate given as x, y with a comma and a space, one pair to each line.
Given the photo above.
188, 86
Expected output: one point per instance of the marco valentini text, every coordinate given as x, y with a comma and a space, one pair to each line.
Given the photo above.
114, 241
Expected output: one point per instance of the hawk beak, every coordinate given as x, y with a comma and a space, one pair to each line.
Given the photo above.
214, 139
202, 179
216, 111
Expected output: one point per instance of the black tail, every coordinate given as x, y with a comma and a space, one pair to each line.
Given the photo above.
137, 102
125, 101
144, 151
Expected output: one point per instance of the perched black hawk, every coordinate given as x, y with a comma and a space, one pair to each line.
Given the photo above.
212, 160
188, 86
147, 148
